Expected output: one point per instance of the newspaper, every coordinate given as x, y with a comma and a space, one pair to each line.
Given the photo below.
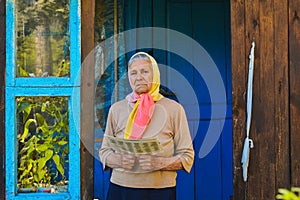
136, 147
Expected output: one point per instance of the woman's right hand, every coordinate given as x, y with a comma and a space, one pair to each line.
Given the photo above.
121, 160
127, 161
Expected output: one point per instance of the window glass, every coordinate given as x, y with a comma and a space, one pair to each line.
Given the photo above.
43, 144
42, 38
110, 62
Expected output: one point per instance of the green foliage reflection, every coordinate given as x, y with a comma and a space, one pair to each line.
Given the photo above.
43, 133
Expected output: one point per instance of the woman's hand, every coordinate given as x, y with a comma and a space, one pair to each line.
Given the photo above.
121, 160
127, 161
153, 163
150, 162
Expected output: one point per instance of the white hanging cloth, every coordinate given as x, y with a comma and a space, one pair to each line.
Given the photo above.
248, 143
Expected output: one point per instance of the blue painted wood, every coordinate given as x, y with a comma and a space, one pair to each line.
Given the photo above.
208, 170
228, 51
34, 91
101, 180
75, 44
44, 82
65, 87
42, 196
75, 59
186, 181
227, 167
130, 13
205, 22
10, 50
98, 179
205, 112
144, 9
74, 139
11, 144
159, 20
74, 144
99, 183
209, 31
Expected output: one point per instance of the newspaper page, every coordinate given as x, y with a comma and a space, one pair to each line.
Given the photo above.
136, 147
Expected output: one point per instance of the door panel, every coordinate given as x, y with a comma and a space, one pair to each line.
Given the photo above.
206, 23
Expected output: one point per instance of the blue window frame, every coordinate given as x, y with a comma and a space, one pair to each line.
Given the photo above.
68, 87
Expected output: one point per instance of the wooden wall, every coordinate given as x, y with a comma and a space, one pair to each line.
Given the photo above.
87, 100
274, 160
2, 86
294, 69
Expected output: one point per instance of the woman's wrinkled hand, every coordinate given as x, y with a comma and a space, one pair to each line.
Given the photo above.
151, 162
127, 161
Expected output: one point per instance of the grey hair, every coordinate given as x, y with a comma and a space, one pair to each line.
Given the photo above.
138, 57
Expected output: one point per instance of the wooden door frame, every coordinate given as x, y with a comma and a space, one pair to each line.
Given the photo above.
87, 99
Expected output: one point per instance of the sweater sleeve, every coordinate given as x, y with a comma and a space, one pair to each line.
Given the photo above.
183, 142
105, 150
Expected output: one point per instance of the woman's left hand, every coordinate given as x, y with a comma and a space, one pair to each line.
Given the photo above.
151, 162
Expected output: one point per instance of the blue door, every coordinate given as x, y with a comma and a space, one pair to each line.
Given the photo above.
198, 76
208, 24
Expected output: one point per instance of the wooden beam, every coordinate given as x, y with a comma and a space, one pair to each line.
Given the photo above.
281, 93
261, 185
87, 100
238, 93
252, 34
294, 46
2, 92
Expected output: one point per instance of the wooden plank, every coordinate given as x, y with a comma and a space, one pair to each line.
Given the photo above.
205, 172
226, 143
176, 18
237, 8
159, 20
130, 22
263, 129
212, 39
87, 100
281, 86
2, 103
228, 56
144, 19
252, 33
185, 183
294, 45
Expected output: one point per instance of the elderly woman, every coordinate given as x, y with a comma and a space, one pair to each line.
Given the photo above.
145, 113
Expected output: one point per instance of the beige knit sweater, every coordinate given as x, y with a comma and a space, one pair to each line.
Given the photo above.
169, 125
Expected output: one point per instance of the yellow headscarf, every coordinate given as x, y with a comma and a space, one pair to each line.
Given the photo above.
134, 129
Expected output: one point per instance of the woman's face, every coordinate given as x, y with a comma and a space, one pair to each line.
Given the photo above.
140, 75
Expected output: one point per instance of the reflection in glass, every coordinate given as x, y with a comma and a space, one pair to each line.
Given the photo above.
43, 144
108, 22
42, 38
